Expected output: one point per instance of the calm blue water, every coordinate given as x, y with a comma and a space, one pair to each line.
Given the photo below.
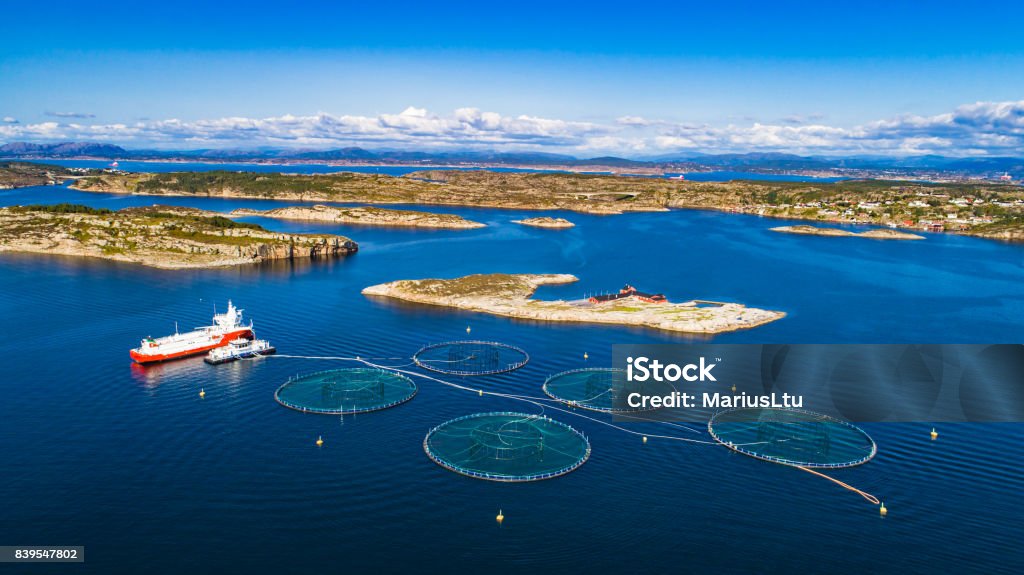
135, 166
130, 462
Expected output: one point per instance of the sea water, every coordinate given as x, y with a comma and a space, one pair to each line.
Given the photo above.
130, 461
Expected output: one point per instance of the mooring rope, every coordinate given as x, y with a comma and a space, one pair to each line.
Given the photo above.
869, 497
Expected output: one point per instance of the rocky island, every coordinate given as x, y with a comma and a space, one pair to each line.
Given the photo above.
833, 232
546, 222
158, 236
937, 207
365, 217
510, 295
581, 193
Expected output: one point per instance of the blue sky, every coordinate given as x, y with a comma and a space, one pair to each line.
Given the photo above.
632, 79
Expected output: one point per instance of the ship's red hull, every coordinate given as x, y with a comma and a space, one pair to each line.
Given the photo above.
158, 357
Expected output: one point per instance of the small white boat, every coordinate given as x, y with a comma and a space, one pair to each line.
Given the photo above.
240, 348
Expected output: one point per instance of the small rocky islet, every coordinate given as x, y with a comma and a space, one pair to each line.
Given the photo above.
545, 222
834, 232
510, 295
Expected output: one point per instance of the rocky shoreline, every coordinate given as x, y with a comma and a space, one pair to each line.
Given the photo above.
159, 236
509, 295
546, 222
1012, 232
833, 232
364, 216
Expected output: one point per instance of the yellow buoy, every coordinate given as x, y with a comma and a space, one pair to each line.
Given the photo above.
645, 439
935, 434
734, 388
882, 510
320, 441
202, 393
586, 355
500, 517
481, 392
468, 329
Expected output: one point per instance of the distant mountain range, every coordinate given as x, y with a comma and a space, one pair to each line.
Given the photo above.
61, 150
689, 161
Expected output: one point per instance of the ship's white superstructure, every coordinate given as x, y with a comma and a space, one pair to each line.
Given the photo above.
227, 326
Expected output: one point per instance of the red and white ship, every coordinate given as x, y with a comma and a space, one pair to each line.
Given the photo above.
226, 328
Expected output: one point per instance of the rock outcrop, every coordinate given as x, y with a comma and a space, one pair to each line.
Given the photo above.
364, 216
160, 236
833, 232
545, 222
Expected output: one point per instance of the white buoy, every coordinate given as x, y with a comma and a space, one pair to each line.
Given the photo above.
468, 329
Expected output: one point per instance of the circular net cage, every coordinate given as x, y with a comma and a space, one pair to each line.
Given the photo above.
343, 391
469, 358
506, 446
597, 389
792, 437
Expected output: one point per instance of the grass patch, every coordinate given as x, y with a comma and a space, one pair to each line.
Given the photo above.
61, 209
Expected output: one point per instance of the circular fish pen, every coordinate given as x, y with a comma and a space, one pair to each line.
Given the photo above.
470, 358
792, 437
598, 389
345, 391
507, 446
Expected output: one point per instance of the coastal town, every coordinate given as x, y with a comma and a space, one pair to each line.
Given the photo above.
909, 207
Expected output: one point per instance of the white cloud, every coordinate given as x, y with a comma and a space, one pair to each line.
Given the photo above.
416, 112
10, 120
973, 129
